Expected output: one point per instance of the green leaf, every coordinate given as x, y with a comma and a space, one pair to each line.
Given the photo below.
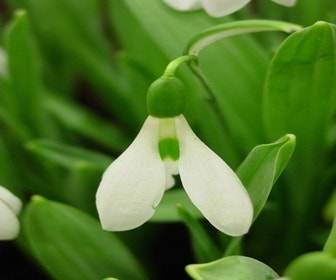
308, 13
25, 102
259, 172
70, 157
330, 246
8, 171
229, 268
312, 266
81, 170
300, 98
329, 210
71, 245
85, 123
262, 167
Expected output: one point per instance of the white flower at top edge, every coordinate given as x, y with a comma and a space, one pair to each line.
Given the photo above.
10, 207
133, 185
217, 8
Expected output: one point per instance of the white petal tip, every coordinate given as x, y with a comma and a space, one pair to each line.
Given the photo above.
10, 233
10, 225
234, 222
13, 202
287, 3
185, 5
220, 8
10, 206
122, 221
236, 229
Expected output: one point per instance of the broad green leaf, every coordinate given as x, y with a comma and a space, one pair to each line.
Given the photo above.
312, 266
300, 98
71, 245
262, 167
229, 268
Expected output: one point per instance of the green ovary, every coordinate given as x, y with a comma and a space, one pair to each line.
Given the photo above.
165, 97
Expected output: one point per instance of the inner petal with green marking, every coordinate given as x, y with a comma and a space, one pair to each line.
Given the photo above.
169, 148
168, 143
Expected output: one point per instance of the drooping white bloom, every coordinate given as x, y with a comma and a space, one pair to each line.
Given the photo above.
217, 8
134, 183
10, 207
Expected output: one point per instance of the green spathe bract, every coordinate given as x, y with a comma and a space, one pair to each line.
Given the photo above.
165, 98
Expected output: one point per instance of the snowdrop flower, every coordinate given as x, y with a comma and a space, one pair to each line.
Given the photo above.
133, 185
10, 207
217, 8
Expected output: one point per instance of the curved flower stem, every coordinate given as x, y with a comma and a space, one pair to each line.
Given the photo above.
218, 32
174, 64
210, 97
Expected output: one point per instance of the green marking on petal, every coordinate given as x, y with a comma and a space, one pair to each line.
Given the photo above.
169, 148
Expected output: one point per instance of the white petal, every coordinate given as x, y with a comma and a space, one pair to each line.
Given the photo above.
219, 8
211, 185
184, 5
10, 200
134, 183
288, 3
171, 168
9, 224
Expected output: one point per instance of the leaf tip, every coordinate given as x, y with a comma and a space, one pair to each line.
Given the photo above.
37, 198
